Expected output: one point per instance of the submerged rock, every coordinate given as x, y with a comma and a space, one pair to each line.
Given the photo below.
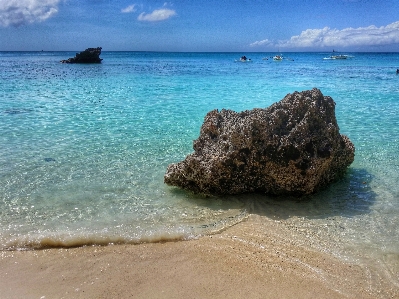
90, 55
292, 147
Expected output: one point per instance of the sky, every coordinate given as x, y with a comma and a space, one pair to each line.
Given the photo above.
200, 25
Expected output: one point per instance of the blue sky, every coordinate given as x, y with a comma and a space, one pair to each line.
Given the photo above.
200, 25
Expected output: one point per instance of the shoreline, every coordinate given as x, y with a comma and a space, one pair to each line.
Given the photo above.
254, 258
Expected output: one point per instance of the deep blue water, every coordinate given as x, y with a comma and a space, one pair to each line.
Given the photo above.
83, 148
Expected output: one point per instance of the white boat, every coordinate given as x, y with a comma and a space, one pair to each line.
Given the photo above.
337, 56
278, 57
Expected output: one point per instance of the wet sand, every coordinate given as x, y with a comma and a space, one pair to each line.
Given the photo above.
256, 258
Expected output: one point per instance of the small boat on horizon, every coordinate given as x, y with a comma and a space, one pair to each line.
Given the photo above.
244, 59
278, 58
337, 57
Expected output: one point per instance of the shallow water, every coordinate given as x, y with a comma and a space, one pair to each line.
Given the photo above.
84, 148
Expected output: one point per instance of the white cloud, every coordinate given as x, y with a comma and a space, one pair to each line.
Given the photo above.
264, 42
348, 37
157, 15
19, 12
129, 9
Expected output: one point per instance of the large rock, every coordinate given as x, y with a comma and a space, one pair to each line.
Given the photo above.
293, 147
90, 55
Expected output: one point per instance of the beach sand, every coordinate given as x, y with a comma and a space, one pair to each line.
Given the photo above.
257, 258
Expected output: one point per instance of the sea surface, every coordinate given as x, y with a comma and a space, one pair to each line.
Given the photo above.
83, 148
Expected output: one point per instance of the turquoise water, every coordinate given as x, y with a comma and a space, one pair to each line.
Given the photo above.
83, 148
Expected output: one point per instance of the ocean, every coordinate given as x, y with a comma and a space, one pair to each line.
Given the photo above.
83, 148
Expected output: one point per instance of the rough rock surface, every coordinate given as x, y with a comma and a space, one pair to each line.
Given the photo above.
90, 55
292, 147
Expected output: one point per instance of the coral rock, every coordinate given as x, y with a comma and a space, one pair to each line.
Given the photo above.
290, 148
90, 55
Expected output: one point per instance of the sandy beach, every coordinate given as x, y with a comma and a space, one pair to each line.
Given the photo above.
253, 259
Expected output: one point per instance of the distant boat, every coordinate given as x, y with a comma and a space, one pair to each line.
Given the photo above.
244, 59
278, 58
340, 56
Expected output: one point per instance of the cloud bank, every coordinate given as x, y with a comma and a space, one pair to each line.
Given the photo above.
348, 37
157, 15
20, 12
